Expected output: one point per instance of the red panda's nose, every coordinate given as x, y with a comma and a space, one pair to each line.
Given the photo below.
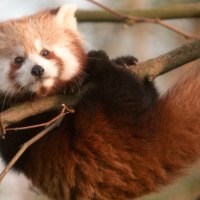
37, 70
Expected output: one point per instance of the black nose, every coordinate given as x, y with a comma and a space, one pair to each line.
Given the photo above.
37, 70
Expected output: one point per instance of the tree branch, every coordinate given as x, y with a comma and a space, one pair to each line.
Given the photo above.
177, 11
169, 61
130, 19
150, 68
19, 112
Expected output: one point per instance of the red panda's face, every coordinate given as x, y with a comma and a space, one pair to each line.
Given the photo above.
40, 53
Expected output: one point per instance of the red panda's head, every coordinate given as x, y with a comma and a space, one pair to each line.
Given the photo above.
40, 53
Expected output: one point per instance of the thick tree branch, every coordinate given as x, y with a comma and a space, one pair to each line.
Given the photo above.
169, 61
186, 10
150, 68
19, 112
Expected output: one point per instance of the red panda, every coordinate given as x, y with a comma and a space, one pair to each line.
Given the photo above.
122, 142
47, 44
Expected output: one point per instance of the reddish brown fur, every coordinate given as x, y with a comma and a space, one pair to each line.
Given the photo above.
93, 156
106, 163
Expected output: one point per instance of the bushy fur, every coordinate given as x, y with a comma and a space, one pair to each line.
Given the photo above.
122, 142
116, 102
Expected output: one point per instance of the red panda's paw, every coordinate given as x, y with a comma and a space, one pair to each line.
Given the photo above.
101, 68
98, 65
125, 61
99, 54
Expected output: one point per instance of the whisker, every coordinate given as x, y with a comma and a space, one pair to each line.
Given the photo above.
28, 86
84, 74
12, 86
5, 87
24, 88
77, 85
19, 89
4, 100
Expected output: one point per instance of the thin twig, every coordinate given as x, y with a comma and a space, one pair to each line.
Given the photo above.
49, 126
25, 146
130, 19
177, 30
22, 111
114, 12
46, 124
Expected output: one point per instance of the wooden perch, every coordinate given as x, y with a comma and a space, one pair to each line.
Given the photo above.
150, 68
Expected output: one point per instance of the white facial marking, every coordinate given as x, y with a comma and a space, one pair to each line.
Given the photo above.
34, 87
26, 79
71, 64
23, 75
38, 44
48, 83
50, 67
6, 85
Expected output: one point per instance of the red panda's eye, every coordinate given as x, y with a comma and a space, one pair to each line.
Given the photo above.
19, 60
45, 52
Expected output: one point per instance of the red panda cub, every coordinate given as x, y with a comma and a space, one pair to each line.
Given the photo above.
122, 142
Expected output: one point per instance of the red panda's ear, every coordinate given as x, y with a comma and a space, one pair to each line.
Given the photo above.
65, 16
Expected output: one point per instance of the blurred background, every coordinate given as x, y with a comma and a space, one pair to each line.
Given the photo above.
144, 41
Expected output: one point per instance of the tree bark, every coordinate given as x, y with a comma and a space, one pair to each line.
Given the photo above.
169, 61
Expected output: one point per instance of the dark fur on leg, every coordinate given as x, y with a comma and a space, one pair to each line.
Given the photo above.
116, 87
